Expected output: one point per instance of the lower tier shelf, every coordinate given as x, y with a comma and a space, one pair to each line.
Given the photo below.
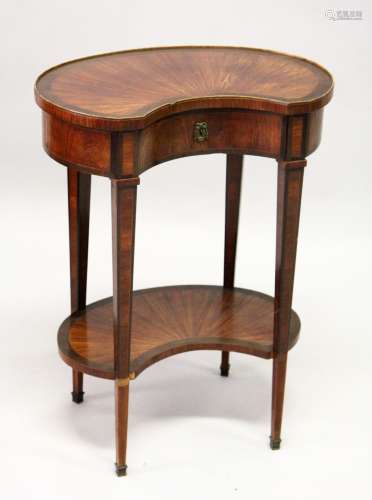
170, 320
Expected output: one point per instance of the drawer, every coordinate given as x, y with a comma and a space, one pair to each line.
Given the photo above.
201, 132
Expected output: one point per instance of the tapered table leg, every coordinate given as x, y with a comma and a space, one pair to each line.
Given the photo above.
77, 387
234, 164
123, 196
290, 176
121, 424
279, 374
78, 209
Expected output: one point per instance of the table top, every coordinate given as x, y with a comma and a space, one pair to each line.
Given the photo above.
134, 88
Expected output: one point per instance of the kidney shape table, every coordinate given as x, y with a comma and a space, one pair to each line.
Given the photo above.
119, 114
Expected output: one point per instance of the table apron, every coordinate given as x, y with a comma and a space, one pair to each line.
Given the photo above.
129, 153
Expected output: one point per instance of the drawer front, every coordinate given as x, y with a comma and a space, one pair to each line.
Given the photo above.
238, 131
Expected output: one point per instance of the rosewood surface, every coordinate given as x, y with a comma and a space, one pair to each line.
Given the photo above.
170, 320
114, 91
103, 116
118, 115
78, 185
234, 170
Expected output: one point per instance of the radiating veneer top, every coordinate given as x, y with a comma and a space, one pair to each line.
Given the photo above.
130, 89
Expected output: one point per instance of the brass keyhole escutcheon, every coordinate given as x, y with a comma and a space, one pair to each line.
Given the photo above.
201, 131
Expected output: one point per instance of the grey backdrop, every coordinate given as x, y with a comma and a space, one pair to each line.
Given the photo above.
192, 434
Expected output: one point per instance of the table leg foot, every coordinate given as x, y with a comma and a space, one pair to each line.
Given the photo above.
225, 371
77, 387
275, 443
225, 365
77, 397
121, 470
